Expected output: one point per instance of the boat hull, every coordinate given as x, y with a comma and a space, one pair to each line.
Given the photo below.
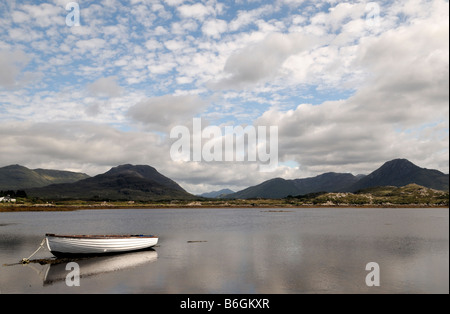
97, 245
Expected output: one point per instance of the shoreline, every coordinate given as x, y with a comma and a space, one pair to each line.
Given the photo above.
69, 208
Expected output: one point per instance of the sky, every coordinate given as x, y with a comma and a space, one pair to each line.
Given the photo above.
349, 85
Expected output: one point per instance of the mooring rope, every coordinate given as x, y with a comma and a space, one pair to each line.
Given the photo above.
27, 260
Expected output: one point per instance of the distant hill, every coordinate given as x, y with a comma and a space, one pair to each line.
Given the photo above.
126, 182
16, 177
397, 173
145, 183
401, 172
280, 188
217, 194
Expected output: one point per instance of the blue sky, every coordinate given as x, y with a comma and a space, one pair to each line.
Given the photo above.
349, 84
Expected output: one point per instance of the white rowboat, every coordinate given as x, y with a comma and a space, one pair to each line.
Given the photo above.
70, 245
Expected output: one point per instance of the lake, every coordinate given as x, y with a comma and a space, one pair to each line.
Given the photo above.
238, 251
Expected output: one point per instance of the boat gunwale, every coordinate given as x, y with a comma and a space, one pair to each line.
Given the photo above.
101, 237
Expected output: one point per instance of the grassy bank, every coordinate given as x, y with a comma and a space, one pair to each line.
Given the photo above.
272, 204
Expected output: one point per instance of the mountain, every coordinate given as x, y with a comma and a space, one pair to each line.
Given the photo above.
145, 183
329, 182
143, 172
16, 177
401, 172
396, 173
280, 188
126, 182
217, 194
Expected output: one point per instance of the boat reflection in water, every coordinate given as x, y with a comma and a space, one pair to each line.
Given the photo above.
93, 266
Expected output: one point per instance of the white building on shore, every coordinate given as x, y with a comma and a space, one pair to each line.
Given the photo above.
7, 199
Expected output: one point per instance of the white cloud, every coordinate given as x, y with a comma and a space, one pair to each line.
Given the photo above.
174, 2
214, 28
263, 60
90, 45
162, 113
20, 17
343, 13
153, 44
105, 87
197, 11
24, 34
42, 15
175, 45
11, 63
245, 18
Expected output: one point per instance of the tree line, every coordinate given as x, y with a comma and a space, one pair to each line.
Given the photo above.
14, 194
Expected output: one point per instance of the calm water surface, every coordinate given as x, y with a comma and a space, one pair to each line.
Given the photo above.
247, 251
